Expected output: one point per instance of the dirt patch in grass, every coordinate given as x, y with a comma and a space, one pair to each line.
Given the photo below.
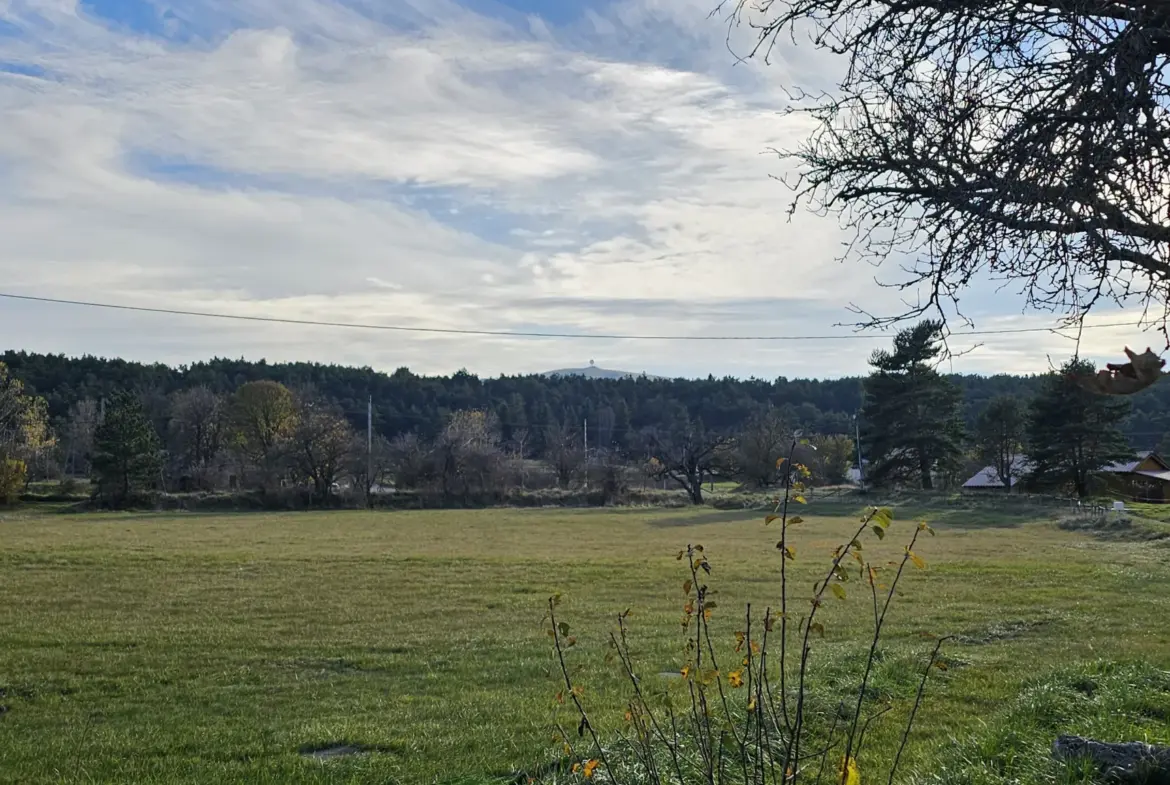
342, 749
1002, 631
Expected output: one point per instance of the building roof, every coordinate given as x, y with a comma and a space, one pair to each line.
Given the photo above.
1125, 467
988, 476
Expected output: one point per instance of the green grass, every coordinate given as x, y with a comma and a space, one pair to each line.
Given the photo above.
199, 648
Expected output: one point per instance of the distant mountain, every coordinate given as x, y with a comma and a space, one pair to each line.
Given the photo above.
593, 372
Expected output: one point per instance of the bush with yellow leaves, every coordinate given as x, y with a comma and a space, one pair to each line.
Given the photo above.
753, 722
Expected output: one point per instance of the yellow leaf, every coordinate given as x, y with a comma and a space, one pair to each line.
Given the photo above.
771, 518
790, 553
800, 499
795, 519
850, 773
918, 562
780, 461
687, 587
686, 671
751, 705
591, 765
735, 678
739, 640
879, 531
818, 628
838, 590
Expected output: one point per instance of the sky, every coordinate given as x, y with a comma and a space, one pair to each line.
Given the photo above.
592, 167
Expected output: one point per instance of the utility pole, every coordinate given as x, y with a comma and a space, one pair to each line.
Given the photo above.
370, 452
586, 421
857, 438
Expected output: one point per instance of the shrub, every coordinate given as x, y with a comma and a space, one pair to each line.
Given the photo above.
13, 474
756, 720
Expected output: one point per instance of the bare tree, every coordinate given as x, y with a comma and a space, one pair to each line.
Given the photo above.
467, 455
370, 464
687, 453
79, 430
197, 430
1023, 141
564, 452
322, 442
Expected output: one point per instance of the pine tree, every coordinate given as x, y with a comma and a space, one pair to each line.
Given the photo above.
1073, 433
911, 417
126, 450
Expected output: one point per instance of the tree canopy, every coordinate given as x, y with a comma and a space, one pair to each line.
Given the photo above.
1020, 140
911, 422
1072, 433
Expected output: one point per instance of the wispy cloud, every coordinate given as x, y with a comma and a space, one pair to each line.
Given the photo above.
437, 164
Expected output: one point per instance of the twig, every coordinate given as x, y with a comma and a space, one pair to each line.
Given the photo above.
917, 703
585, 723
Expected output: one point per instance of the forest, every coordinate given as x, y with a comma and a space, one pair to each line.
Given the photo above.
233, 425
405, 402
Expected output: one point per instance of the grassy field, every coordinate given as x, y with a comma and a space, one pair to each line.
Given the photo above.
196, 648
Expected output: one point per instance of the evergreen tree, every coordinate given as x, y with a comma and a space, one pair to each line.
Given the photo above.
911, 416
1073, 433
1000, 430
126, 453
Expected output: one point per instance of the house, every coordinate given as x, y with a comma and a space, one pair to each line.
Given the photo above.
1146, 478
988, 477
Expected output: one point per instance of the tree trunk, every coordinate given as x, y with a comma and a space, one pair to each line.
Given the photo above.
924, 470
694, 486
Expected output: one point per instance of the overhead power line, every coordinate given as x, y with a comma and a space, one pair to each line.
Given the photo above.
521, 333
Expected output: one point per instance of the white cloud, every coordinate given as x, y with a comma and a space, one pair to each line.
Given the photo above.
417, 165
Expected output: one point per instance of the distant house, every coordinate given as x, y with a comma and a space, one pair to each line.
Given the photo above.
1146, 478
988, 478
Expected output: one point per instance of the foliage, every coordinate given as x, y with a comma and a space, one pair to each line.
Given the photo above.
321, 444
759, 446
999, 436
754, 716
263, 416
911, 425
13, 476
525, 405
126, 450
960, 133
832, 459
1072, 432
25, 436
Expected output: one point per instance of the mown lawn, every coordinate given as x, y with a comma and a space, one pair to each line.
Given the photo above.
197, 648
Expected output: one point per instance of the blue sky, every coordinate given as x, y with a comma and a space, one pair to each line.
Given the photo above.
595, 167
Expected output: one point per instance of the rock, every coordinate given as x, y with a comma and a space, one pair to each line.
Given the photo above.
1122, 762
